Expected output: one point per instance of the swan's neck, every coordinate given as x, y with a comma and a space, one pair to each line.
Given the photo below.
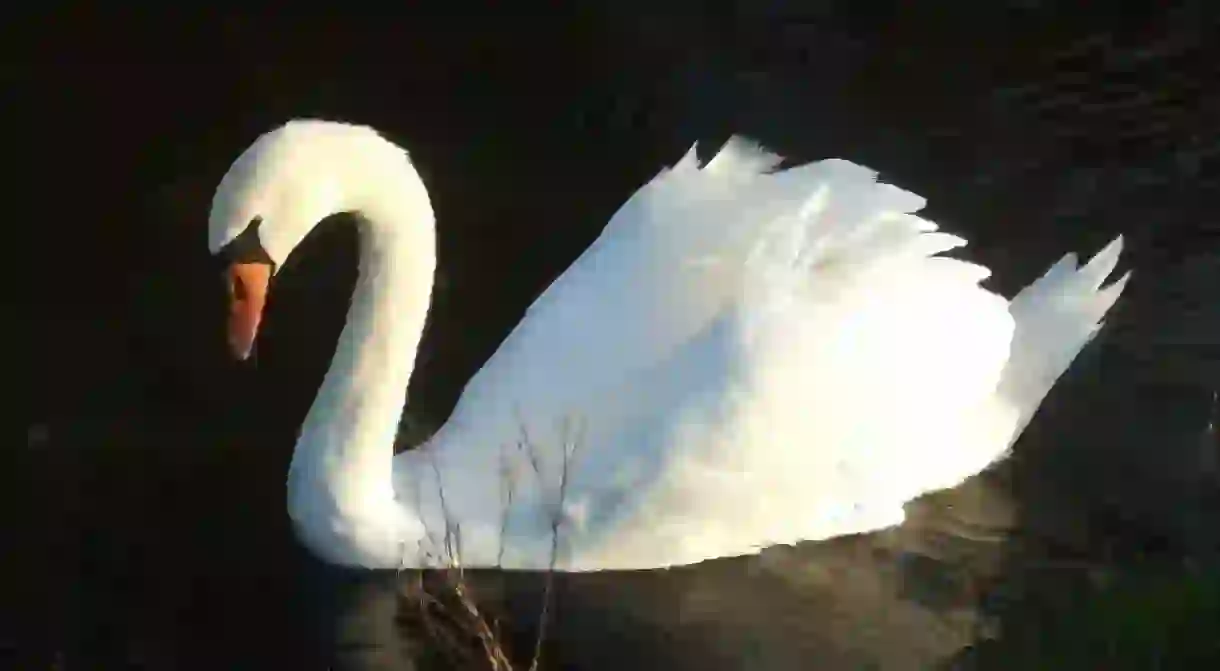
341, 494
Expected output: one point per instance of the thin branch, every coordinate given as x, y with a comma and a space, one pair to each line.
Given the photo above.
464, 616
569, 451
507, 487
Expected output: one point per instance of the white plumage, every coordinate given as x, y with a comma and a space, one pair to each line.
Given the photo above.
745, 357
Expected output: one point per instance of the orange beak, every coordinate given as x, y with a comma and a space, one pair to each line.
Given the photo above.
247, 296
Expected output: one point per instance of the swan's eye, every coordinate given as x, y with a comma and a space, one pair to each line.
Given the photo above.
237, 288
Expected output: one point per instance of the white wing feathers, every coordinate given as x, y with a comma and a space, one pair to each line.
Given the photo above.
763, 357
819, 401
1056, 317
666, 263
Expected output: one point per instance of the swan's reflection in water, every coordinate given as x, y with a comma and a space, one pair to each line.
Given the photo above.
356, 616
851, 603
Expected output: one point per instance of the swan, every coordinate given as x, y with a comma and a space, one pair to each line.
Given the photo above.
747, 356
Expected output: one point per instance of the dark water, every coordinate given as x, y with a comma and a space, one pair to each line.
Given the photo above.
148, 530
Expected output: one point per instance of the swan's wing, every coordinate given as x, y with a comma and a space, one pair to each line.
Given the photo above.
835, 387
672, 261
815, 410
741, 360
668, 261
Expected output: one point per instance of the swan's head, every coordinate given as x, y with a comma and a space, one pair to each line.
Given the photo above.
272, 196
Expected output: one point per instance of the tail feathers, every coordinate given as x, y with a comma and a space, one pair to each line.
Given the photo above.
1055, 318
1074, 292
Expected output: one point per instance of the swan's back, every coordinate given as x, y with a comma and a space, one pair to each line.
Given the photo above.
752, 358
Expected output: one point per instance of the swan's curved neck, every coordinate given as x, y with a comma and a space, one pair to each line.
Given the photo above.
340, 488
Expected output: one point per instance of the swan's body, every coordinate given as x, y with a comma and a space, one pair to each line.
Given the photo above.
745, 357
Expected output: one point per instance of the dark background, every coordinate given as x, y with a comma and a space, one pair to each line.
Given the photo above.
149, 510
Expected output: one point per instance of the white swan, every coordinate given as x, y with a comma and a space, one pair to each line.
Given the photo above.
745, 357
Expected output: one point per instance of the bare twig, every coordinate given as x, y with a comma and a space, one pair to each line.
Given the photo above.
492, 649
464, 615
507, 486
569, 451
